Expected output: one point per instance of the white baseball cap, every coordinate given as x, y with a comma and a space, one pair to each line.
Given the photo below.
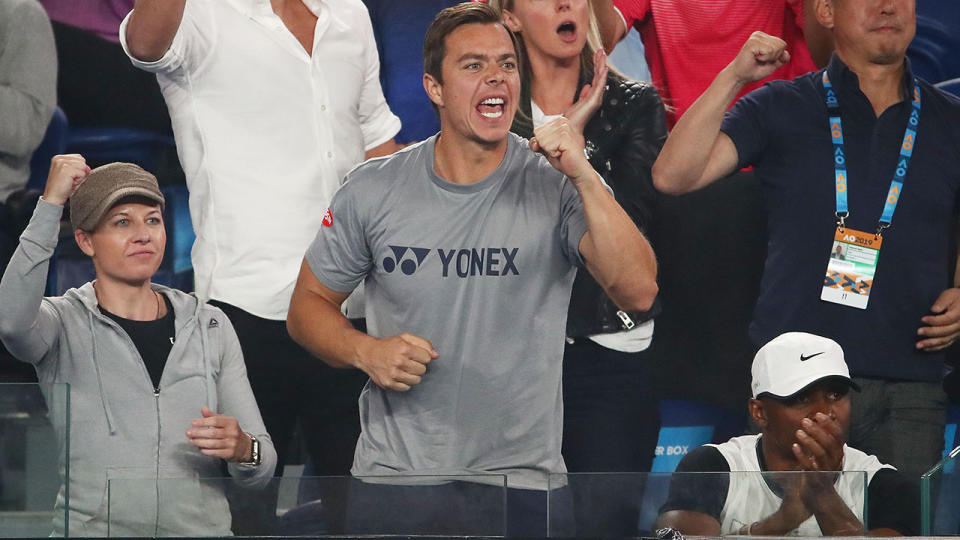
790, 362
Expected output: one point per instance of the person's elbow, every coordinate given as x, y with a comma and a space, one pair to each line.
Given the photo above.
8, 329
11, 325
145, 50
637, 294
666, 179
295, 318
610, 38
142, 45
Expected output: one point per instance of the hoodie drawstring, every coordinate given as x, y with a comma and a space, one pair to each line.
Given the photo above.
207, 371
96, 363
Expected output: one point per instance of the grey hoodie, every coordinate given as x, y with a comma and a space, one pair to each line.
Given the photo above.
120, 430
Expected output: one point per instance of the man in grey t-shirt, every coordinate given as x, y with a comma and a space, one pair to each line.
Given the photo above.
467, 244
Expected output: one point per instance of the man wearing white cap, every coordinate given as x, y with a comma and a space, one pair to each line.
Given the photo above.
801, 403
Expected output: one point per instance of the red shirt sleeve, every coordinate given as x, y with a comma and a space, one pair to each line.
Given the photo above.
635, 11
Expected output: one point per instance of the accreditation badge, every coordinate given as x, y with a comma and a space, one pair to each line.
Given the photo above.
850, 270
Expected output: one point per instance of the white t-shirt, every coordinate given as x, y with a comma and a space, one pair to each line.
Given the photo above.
265, 134
750, 499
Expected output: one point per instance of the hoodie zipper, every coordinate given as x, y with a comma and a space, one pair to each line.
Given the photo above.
156, 527
156, 390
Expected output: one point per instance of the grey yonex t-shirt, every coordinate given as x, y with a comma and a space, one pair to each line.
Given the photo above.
484, 272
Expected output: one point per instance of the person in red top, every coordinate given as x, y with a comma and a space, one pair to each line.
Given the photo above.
685, 41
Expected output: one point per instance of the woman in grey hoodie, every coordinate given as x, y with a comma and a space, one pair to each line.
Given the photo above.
147, 365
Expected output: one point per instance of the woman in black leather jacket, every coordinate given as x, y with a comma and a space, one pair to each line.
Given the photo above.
611, 412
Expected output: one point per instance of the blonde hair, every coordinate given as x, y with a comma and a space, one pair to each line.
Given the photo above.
592, 45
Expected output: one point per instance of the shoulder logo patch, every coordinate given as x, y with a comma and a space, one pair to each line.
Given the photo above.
213, 323
328, 219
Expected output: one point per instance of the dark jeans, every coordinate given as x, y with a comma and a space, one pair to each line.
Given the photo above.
900, 422
611, 411
292, 385
611, 422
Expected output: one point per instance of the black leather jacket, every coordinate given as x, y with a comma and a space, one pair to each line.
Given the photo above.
623, 140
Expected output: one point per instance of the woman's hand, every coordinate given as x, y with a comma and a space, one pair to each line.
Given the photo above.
67, 172
220, 436
591, 95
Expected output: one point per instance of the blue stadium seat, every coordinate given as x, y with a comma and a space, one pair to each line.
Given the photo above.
946, 519
952, 86
108, 144
177, 268
933, 51
684, 425
399, 28
54, 142
951, 436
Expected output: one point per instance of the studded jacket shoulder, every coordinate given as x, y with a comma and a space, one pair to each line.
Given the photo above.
623, 140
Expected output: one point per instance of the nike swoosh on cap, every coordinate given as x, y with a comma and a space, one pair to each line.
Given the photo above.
805, 358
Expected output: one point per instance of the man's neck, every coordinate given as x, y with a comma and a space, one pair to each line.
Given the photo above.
299, 20
881, 83
555, 84
771, 460
462, 161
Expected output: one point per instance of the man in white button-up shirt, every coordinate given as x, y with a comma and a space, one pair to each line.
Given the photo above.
272, 102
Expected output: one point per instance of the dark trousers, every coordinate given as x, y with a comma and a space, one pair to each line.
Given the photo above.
611, 422
611, 413
292, 385
453, 509
900, 422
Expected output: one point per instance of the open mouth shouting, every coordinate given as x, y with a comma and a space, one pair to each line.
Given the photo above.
567, 31
491, 107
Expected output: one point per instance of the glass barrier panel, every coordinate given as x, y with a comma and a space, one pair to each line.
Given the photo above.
34, 440
940, 497
306, 506
637, 504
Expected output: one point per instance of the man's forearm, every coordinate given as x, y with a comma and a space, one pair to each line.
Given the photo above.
834, 516
385, 149
609, 23
683, 163
152, 27
618, 255
319, 326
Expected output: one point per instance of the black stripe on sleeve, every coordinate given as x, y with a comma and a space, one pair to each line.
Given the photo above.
700, 493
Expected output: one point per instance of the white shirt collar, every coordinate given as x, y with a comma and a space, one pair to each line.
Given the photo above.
263, 7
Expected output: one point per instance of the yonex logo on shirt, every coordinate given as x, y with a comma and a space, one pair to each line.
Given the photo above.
479, 262
455, 262
409, 265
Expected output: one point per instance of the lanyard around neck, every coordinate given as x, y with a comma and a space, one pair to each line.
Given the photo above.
840, 162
